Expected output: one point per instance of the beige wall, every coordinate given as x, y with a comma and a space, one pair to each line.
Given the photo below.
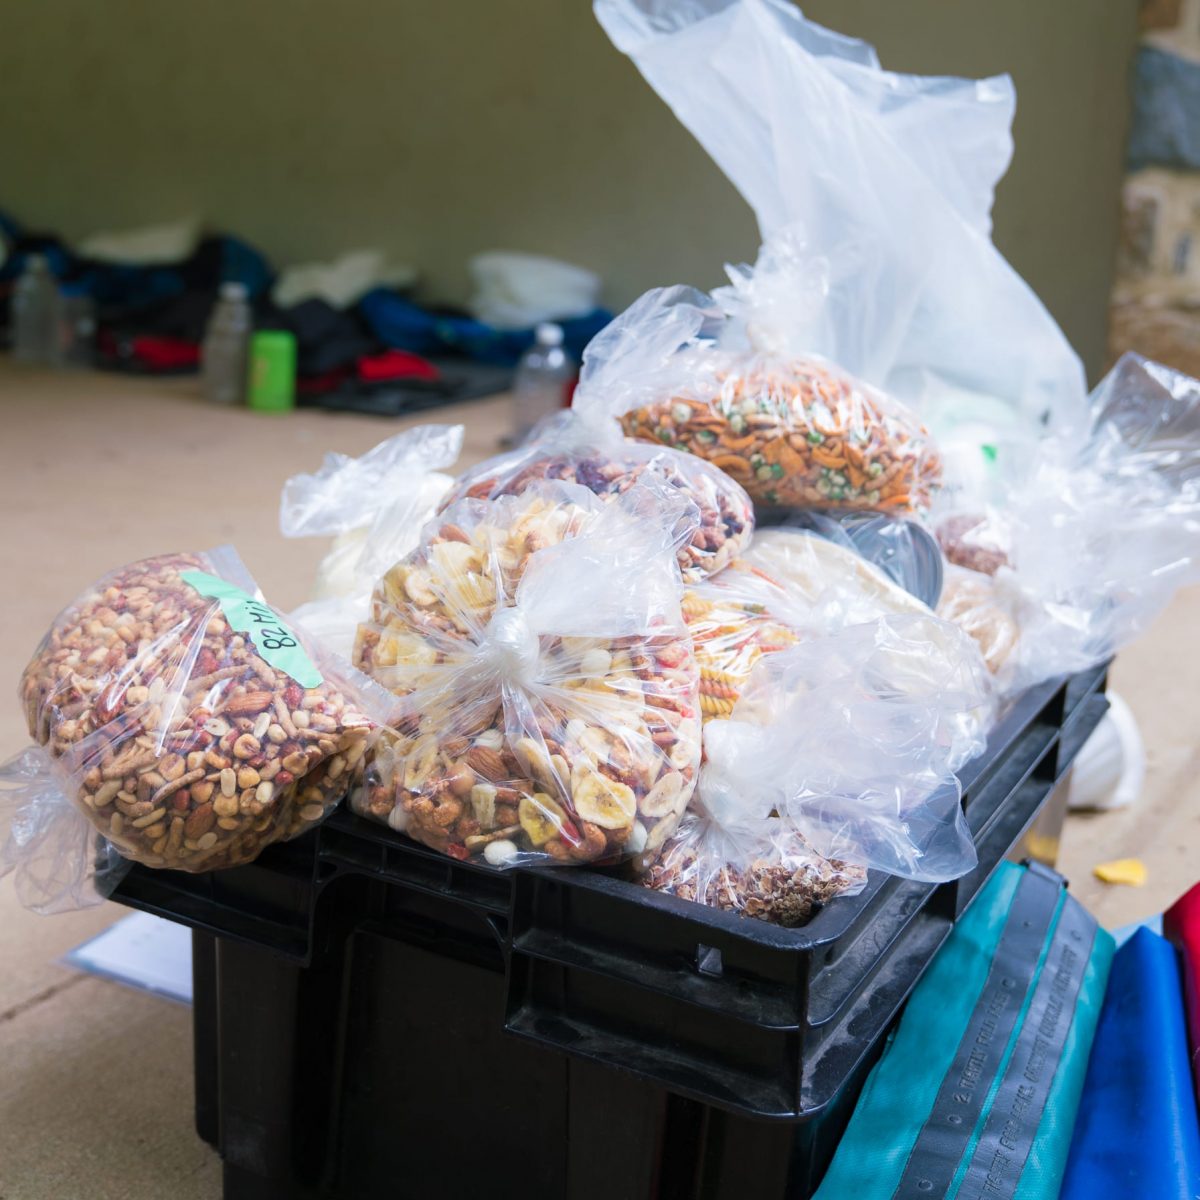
438, 129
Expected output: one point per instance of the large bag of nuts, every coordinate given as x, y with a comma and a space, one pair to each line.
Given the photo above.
626, 364
549, 685
791, 427
790, 585
838, 757
186, 719
373, 507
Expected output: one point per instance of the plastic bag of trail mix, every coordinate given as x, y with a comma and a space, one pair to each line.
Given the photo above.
758, 867
549, 702
184, 721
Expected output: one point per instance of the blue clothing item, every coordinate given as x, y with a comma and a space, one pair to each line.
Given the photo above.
132, 287
1137, 1133
1165, 129
400, 323
58, 258
242, 263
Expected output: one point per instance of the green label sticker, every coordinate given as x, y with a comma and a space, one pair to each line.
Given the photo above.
274, 641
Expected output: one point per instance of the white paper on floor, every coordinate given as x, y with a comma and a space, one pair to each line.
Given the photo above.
142, 951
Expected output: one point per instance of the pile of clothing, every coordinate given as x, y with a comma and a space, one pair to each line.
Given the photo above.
356, 325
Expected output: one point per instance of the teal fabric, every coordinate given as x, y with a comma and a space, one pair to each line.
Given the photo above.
952, 1033
900, 1091
1043, 1174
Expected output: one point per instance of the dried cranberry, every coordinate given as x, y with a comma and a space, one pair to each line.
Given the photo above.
589, 474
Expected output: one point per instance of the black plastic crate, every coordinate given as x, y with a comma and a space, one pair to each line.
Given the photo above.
334, 955
766, 1021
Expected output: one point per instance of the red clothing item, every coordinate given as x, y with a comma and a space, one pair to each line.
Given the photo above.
165, 353
150, 352
396, 364
1181, 926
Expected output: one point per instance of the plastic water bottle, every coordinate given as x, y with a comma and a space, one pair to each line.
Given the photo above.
225, 353
35, 314
544, 375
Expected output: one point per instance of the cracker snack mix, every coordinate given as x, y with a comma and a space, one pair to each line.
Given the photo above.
550, 702
742, 389
191, 723
801, 433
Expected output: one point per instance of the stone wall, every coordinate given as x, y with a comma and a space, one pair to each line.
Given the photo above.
1156, 299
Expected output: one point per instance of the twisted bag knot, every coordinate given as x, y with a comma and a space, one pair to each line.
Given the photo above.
510, 648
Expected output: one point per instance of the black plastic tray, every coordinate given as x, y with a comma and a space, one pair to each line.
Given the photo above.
732, 1012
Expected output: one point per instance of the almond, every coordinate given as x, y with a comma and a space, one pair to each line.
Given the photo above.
487, 762
200, 822
248, 703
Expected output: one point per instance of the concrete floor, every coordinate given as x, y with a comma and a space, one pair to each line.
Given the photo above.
95, 1080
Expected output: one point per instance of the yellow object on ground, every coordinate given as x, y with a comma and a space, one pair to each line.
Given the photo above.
1131, 871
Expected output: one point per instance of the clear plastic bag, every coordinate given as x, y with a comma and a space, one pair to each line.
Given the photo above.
57, 859
852, 742
630, 360
983, 609
725, 515
833, 582
904, 550
759, 867
789, 426
1093, 535
734, 619
890, 176
185, 719
789, 586
550, 699
374, 507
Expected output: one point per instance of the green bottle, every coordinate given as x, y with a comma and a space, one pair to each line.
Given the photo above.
272, 380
